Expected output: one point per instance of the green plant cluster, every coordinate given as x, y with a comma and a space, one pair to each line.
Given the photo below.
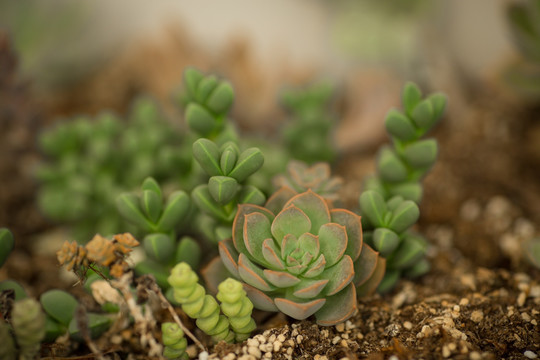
390, 200
524, 74
92, 161
308, 134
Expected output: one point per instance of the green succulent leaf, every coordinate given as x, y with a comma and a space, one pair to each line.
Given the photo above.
251, 195
20, 293
249, 162
390, 166
207, 155
411, 97
421, 153
128, 206
6, 244
59, 305
53, 329
206, 203
176, 209
188, 251
438, 102
159, 247
151, 203
423, 114
199, 119
221, 98
228, 159
412, 248
152, 185
373, 207
409, 191
404, 216
400, 126
192, 78
385, 241
391, 277
205, 88
418, 269
223, 188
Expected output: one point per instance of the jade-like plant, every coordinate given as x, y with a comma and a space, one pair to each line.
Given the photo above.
524, 74
234, 323
389, 203
308, 134
298, 256
159, 221
92, 161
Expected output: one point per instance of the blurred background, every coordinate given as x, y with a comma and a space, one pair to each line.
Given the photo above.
62, 58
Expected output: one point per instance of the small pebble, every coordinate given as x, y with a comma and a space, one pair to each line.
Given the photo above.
521, 299
477, 316
526, 317
203, 355
446, 352
252, 350
335, 340
299, 339
530, 355
277, 346
475, 355
407, 325
340, 327
281, 338
252, 342
463, 302
230, 356
268, 355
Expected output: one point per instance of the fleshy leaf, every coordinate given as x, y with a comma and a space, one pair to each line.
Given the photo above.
316, 268
421, 153
390, 166
206, 203
280, 279
151, 204
188, 251
256, 231
333, 242
59, 305
423, 114
199, 119
223, 188
252, 274
207, 155
229, 256
221, 98
205, 87
176, 208
309, 289
159, 247
293, 221
251, 195
271, 254
411, 97
249, 161
314, 206
310, 244
404, 216
259, 299
400, 126
411, 249
385, 241
338, 307
128, 207
238, 224
373, 207
365, 265
409, 191
369, 286
277, 201
338, 276
228, 158
6, 245
298, 310
151, 184
353, 226
288, 245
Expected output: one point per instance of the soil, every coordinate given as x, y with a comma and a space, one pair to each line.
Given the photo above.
481, 299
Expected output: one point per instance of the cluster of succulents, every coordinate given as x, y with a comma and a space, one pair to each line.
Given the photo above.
524, 74
389, 203
234, 323
308, 134
92, 161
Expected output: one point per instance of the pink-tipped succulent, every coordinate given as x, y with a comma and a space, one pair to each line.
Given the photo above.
298, 256
301, 177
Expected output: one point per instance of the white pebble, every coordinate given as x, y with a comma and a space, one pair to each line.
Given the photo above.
203, 355
530, 355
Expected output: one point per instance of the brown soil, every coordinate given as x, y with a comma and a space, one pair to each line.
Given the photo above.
481, 300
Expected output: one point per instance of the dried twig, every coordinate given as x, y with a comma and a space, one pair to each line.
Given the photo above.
151, 285
82, 324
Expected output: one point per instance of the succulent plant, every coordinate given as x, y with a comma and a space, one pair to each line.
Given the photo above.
207, 100
387, 229
28, 321
237, 307
228, 168
524, 74
401, 167
389, 202
6, 245
300, 177
174, 341
197, 304
308, 135
298, 256
92, 161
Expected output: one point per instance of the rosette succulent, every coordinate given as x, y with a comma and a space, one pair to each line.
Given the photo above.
298, 256
301, 177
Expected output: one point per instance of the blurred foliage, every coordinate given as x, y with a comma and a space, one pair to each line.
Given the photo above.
524, 74
93, 161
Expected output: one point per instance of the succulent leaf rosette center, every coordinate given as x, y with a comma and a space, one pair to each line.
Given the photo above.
298, 256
